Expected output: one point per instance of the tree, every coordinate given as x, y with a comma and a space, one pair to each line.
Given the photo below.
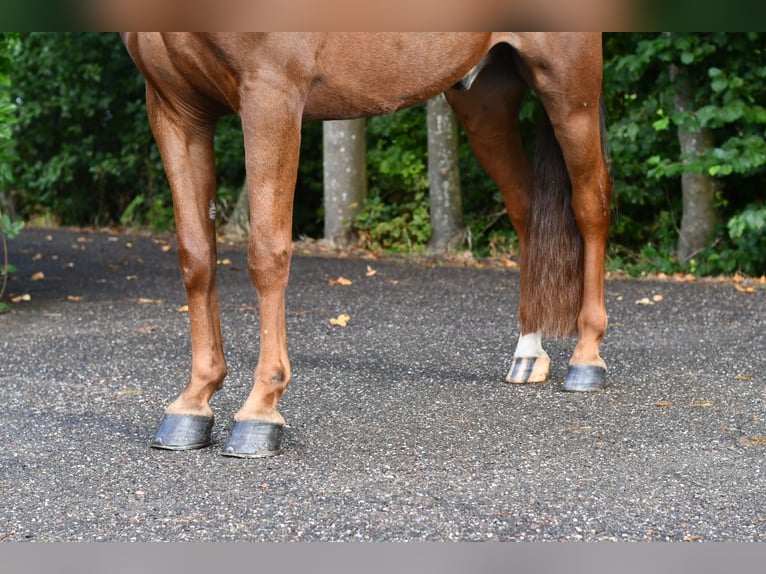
698, 190
446, 208
345, 176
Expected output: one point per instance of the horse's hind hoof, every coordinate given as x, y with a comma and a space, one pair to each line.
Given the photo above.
585, 378
254, 439
183, 432
528, 370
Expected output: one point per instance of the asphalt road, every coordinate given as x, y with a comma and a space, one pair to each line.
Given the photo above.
400, 424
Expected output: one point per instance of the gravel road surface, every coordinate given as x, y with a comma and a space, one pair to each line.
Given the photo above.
400, 426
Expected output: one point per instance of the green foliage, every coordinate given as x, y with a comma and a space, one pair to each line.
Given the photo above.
75, 143
396, 227
747, 231
646, 163
9, 45
82, 138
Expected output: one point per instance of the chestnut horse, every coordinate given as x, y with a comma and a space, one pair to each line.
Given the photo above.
275, 81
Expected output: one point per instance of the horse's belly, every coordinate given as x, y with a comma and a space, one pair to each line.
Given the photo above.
363, 74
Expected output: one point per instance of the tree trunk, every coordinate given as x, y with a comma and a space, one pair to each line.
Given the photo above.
446, 208
699, 216
345, 176
238, 224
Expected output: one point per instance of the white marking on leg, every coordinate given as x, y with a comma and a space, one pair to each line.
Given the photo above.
530, 345
530, 361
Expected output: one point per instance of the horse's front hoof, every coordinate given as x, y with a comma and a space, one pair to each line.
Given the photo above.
585, 378
183, 432
528, 370
254, 439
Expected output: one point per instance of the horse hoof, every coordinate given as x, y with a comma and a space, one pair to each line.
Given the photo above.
254, 439
528, 370
183, 432
585, 378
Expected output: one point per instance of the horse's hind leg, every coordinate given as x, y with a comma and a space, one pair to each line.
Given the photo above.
186, 146
271, 121
489, 112
566, 73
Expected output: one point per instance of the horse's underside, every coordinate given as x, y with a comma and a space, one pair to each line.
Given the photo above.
275, 81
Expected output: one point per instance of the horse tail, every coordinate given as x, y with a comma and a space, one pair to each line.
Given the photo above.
552, 267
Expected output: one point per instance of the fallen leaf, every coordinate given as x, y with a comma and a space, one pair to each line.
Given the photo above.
146, 301
74, 298
510, 264
742, 289
757, 440
69, 265
131, 277
39, 276
183, 309
147, 329
662, 404
701, 403
224, 262
49, 238
692, 538
37, 257
340, 281
657, 298
166, 248
746, 377
370, 272
247, 308
340, 321
645, 301
128, 245
19, 298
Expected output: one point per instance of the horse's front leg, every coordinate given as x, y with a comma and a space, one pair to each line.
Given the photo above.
186, 147
272, 141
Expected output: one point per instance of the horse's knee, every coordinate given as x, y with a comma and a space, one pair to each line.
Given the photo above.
269, 263
197, 265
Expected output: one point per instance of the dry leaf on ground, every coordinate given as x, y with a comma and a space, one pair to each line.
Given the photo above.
340, 321
701, 403
39, 276
757, 440
340, 281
